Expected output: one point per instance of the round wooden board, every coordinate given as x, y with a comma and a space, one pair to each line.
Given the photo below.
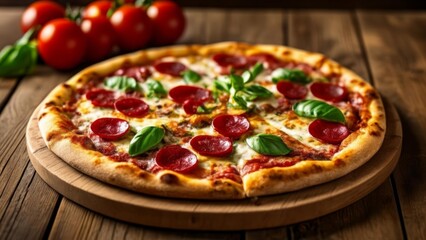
262, 212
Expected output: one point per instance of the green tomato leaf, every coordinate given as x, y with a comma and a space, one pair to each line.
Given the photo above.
318, 109
257, 91
146, 139
122, 83
155, 89
268, 144
293, 75
190, 76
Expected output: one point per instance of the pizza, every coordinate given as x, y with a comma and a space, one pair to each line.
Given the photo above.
221, 121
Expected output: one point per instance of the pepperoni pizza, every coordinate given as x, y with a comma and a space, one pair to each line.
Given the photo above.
221, 121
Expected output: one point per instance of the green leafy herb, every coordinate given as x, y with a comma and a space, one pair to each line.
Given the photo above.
250, 75
293, 75
122, 83
190, 76
155, 89
237, 83
257, 91
205, 109
268, 144
146, 139
19, 59
223, 83
318, 109
238, 102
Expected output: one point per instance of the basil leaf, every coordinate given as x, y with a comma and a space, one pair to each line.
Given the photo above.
190, 76
293, 75
249, 76
237, 82
318, 109
20, 58
256, 69
268, 144
122, 83
238, 102
257, 91
223, 83
155, 89
146, 139
204, 109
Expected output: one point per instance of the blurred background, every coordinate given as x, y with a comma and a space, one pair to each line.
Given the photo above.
325, 4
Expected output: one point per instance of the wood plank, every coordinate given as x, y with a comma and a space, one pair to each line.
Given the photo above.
333, 34
26, 202
94, 226
9, 25
395, 43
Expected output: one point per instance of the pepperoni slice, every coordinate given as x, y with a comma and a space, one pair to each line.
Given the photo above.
132, 107
140, 73
292, 90
329, 92
232, 126
270, 61
101, 97
176, 158
182, 93
215, 146
171, 68
110, 128
190, 106
328, 132
228, 60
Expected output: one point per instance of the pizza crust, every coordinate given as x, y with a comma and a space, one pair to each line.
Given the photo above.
58, 133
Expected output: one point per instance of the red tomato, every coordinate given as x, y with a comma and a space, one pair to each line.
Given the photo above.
132, 26
62, 44
39, 13
168, 20
97, 8
100, 37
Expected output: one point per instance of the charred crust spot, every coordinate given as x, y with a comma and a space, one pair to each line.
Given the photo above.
320, 62
66, 85
339, 163
371, 94
376, 129
52, 135
142, 175
80, 80
42, 116
49, 104
169, 179
83, 141
286, 53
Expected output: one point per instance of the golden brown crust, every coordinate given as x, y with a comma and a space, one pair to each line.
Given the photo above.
58, 132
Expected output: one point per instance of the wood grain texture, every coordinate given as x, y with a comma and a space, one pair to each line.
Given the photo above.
94, 226
9, 19
334, 34
26, 202
395, 43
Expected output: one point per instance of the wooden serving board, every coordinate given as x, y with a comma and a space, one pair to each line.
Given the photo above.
262, 212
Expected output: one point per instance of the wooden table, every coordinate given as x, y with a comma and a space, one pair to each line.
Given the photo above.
386, 48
